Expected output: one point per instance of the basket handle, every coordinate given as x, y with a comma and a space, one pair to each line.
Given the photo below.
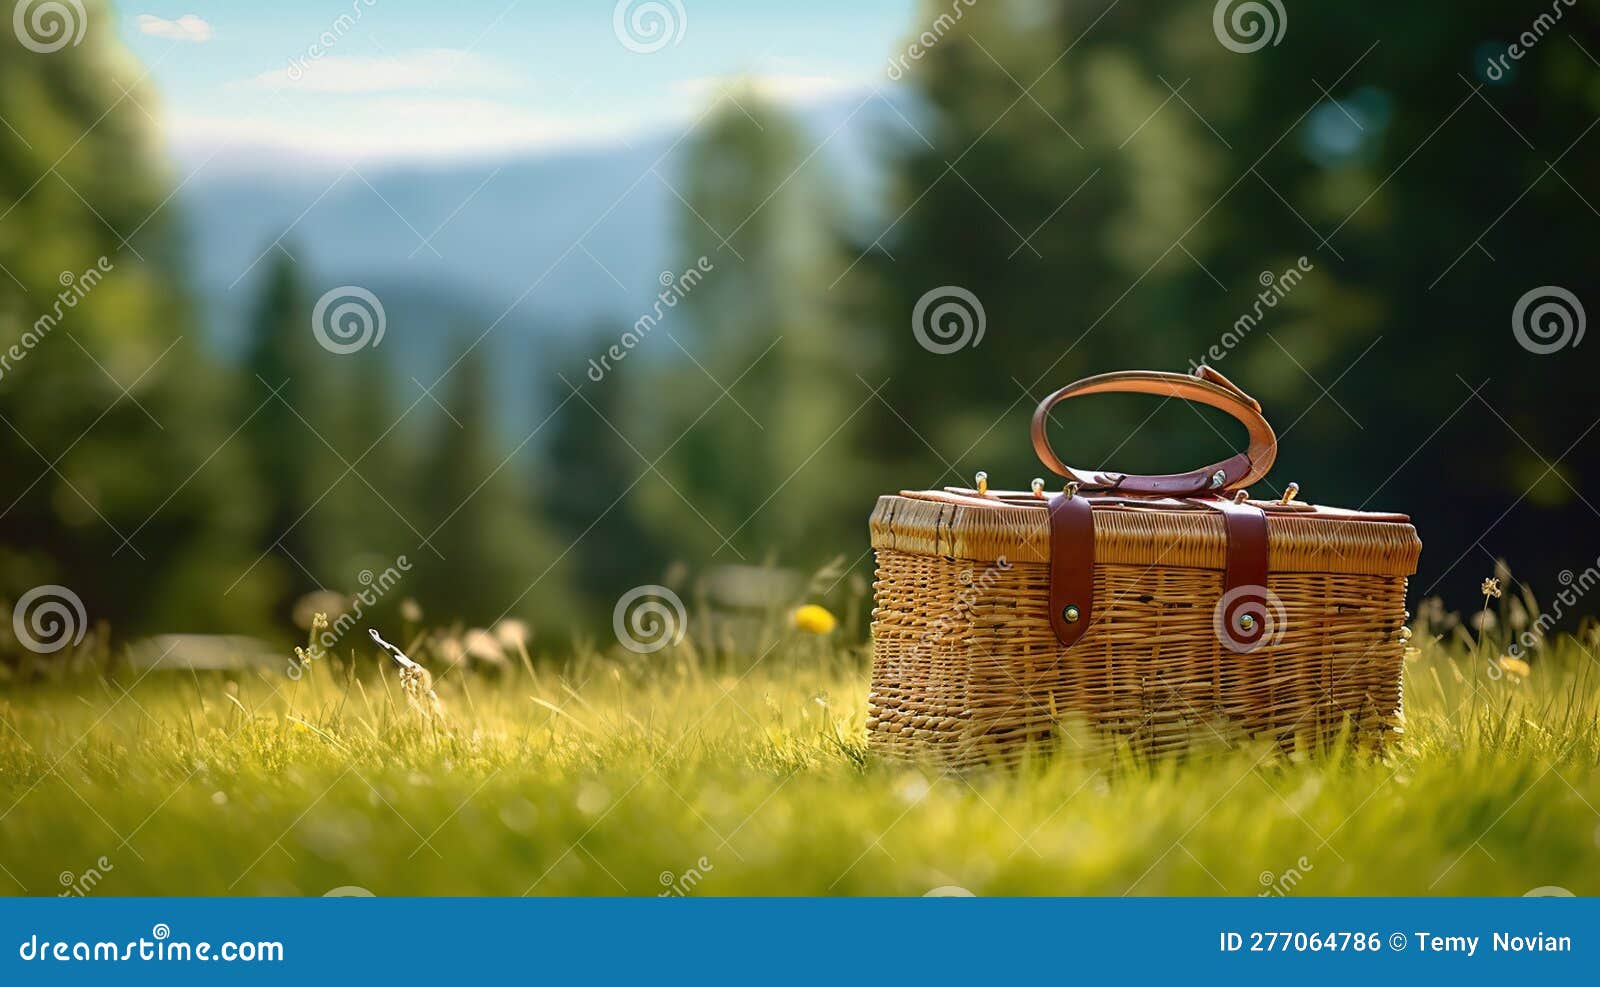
1205, 386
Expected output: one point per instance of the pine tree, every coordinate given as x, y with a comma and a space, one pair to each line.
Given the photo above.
135, 501
287, 402
369, 518
496, 561
750, 389
586, 479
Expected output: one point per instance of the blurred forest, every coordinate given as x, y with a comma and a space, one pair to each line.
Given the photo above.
1107, 180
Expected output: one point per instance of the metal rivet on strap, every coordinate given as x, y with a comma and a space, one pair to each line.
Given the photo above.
1038, 487
1218, 479
1069, 613
982, 483
1247, 622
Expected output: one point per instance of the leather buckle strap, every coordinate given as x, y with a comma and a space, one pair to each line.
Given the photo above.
1071, 567
1246, 525
1247, 614
1206, 386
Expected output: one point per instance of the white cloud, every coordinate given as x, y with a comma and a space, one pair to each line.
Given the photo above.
189, 27
429, 68
788, 89
390, 128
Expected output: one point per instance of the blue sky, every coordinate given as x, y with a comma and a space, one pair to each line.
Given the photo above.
410, 79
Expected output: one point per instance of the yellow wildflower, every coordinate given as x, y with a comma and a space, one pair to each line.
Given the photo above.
1516, 666
814, 619
1491, 587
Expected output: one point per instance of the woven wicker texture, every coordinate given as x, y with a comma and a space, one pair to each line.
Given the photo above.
967, 669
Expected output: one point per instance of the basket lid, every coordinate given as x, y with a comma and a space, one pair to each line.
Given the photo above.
958, 522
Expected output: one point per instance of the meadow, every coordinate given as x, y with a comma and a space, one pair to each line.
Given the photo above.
694, 771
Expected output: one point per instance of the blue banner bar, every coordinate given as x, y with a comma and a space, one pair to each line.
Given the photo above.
793, 940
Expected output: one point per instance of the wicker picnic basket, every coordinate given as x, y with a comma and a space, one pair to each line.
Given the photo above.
1151, 611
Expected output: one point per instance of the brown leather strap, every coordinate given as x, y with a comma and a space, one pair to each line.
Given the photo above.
1071, 567
1206, 387
1246, 525
1245, 613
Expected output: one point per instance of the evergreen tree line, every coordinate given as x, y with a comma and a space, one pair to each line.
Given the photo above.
1119, 207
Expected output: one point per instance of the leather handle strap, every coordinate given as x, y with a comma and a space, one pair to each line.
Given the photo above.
1206, 386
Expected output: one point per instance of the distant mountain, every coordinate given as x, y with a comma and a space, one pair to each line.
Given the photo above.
544, 246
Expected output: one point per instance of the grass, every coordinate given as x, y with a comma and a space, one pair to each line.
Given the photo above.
675, 773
